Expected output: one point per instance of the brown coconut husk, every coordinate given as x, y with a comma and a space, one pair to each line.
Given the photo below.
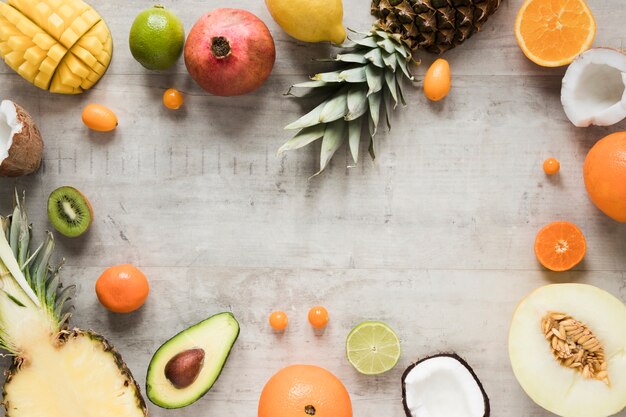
26, 151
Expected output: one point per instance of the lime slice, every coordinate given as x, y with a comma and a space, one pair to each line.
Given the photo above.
373, 348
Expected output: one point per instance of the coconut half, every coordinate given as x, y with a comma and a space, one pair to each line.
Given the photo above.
21, 147
594, 88
443, 385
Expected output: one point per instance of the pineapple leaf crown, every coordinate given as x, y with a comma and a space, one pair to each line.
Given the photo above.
42, 279
369, 85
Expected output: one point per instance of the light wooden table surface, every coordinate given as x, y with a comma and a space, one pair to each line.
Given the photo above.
435, 237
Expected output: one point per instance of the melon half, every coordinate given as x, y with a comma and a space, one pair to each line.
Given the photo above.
554, 374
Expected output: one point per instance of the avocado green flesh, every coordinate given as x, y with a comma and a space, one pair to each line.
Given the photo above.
216, 336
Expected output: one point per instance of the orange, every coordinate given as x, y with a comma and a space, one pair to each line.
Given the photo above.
99, 118
304, 391
605, 175
560, 246
552, 33
122, 288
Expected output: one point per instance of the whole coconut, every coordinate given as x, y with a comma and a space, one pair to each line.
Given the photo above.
21, 146
230, 52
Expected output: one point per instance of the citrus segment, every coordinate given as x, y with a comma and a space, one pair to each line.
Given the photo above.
373, 348
552, 33
560, 246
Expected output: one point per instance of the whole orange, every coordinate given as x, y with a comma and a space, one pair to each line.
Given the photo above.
304, 391
605, 175
122, 288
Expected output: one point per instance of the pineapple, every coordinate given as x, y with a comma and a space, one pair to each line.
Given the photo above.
59, 45
433, 25
374, 67
56, 372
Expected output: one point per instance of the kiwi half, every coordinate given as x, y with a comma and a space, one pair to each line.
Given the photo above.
69, 211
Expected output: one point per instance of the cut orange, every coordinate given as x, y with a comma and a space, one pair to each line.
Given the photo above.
560, 246
552, 33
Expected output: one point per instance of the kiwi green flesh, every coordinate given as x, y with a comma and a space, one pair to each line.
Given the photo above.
69, 211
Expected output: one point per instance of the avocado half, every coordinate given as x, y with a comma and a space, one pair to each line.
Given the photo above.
185, 367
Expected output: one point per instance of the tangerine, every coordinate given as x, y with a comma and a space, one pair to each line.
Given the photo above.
122, 288
560, 246
605, 175
304, 391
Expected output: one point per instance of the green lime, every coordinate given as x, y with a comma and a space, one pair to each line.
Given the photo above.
373, 348
157, 38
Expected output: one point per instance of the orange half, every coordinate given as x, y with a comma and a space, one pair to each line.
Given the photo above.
552, 33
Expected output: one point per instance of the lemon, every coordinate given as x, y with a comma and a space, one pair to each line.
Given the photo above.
373, 348
310, 20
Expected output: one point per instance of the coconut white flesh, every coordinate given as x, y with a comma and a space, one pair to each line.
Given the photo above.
443, 387
9, 126
594, 88
558, 389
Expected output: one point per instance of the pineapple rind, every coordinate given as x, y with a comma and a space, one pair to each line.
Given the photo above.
433, 25
38, 38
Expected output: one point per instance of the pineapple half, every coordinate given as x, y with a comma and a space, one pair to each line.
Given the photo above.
56, 372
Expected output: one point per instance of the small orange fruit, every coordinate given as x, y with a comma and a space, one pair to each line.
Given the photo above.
560, 246
437, 80
551, 166
173, 99
304, 391
552, 33
279, 320
605, 175
99, 118
122, 288
318, 317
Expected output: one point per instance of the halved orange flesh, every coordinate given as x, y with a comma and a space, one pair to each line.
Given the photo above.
560, 246
552, 33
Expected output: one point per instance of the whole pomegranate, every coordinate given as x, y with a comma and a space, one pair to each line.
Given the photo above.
229, 52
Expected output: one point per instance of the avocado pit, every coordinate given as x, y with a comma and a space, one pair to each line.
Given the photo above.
183, 369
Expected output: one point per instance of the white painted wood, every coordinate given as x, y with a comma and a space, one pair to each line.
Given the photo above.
435, 237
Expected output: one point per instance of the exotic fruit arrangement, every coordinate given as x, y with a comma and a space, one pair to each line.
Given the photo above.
370, 81
46, 354
59, 45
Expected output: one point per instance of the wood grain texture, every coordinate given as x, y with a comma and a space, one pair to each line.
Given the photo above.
435, 237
